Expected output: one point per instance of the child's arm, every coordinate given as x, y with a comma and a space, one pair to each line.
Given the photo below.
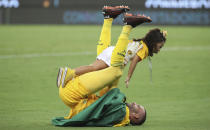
132, 67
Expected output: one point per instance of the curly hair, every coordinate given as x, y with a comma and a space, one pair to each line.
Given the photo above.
151, 39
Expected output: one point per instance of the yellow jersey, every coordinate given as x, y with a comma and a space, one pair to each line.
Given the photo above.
143, 51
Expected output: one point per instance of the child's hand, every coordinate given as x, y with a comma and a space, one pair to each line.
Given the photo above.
127, 81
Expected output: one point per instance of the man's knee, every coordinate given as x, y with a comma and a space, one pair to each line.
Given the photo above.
72, 94
117, 71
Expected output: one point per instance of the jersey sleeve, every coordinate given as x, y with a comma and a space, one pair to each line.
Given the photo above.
143, 53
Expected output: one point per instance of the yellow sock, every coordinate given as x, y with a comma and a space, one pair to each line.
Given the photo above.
108, 22
70, 74
119, 51
105, 37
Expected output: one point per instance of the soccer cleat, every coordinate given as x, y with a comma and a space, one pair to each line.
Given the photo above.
135, 20
68, 75
59, 76
113, 12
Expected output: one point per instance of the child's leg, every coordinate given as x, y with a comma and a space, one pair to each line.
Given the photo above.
71, 73
97, 65
97, 80
105, 37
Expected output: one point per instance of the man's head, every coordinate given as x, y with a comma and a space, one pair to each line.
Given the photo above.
137, 114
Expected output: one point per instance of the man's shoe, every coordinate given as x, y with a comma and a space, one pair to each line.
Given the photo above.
59, 76
68, 75
135, 20
113, 12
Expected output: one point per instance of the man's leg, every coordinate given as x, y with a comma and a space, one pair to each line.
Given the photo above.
119, 51
94, 81
97, 80
105, 37
72, 93
109, 13
104, 42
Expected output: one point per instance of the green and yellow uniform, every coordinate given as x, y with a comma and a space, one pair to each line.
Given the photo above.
82, 88
76, 97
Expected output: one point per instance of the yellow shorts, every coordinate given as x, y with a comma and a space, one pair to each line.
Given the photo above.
73, 93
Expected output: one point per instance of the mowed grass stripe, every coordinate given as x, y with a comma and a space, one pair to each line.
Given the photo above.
177, 99
189, 48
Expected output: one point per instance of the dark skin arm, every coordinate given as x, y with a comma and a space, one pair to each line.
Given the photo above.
132, 67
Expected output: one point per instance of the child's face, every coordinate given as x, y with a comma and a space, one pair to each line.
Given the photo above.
158, 46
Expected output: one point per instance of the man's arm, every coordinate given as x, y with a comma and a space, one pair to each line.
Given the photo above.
132, 67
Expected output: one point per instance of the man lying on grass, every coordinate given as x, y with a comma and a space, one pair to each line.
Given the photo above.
110, 107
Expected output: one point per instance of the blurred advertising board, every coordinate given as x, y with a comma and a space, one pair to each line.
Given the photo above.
168, 12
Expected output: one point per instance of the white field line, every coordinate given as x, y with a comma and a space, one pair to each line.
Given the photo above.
46, 55
195, 48
191, 48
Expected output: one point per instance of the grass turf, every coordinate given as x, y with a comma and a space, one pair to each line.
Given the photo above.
177, 99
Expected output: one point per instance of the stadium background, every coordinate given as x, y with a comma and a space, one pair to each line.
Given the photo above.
88, 12
39, 36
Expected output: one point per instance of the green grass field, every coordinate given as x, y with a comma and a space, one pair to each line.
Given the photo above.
177, 99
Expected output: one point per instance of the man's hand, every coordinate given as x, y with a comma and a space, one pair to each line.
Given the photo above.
127, 81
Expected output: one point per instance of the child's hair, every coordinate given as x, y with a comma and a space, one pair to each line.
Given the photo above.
153, 37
